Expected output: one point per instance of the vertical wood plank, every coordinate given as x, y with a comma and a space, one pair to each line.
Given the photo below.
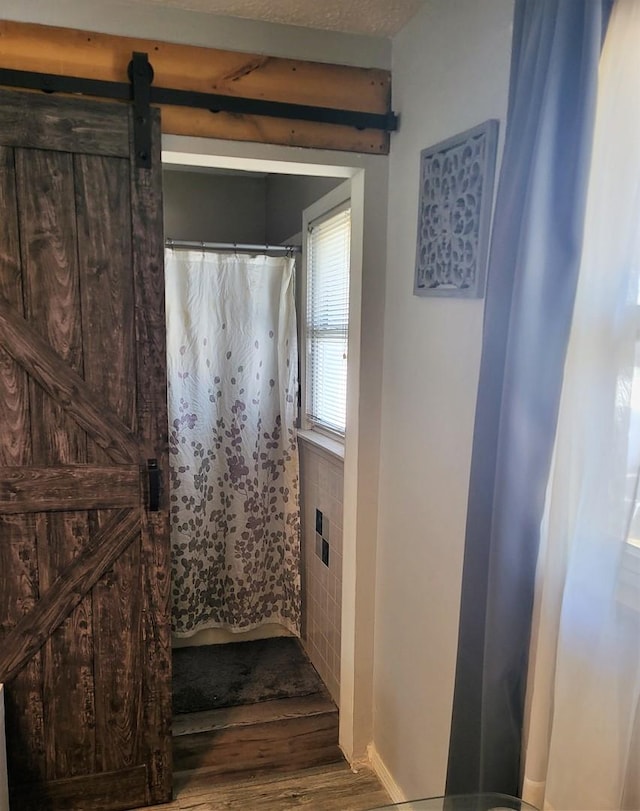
148, 272
15, 446
24, 694
18, 560
49, 256
104, 248
52, 305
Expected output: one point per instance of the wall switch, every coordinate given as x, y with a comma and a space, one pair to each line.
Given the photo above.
318, 521
325, 552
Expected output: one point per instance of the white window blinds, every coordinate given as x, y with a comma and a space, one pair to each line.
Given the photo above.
327, 328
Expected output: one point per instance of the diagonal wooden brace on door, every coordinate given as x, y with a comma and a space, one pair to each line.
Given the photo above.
29, 489
65, 386
68, 590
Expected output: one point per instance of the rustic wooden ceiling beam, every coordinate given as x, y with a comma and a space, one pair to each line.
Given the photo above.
70, 52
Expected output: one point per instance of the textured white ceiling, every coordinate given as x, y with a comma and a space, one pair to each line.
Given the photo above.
382, 18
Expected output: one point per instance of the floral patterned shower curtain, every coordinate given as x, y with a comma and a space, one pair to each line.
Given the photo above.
232, 368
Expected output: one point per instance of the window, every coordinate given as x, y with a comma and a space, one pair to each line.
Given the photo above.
328, 245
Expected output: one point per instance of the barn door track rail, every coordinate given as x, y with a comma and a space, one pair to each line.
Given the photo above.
142, 93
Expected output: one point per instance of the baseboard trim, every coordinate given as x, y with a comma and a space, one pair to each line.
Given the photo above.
384, 775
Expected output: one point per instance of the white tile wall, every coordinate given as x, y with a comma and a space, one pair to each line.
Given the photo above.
322, 482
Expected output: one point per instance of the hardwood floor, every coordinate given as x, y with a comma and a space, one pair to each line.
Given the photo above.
323, 788
273, 756
279, 736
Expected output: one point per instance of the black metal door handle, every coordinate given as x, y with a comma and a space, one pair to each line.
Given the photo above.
153, 474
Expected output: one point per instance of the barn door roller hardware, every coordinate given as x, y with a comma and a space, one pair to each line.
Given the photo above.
142, 93
141, 76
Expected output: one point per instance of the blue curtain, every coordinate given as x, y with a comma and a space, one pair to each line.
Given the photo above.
534, 260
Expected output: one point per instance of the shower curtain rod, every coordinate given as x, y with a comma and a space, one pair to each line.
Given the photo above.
230, 246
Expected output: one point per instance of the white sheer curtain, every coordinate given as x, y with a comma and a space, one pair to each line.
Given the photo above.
583, 740
233, 379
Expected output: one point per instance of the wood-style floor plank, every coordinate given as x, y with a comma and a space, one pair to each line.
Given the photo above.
278, 755
285, 746
279, 709
325, 788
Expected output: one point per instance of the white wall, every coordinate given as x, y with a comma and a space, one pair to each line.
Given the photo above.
229, 206
210, 207
287, 197
450, 69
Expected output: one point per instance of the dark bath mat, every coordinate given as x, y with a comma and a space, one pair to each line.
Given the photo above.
211, 676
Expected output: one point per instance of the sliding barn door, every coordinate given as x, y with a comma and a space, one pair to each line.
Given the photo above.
84, 566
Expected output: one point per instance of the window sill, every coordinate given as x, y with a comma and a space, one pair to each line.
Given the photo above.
330, 446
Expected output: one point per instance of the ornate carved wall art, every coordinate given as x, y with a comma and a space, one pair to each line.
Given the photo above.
454, 214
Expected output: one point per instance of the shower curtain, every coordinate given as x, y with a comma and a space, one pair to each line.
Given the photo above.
232, 371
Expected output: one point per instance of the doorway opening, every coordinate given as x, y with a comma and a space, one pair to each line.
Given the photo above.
215, 199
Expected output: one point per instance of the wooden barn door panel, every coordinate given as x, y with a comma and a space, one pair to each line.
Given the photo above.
84, 633
104, 224
51, 292
18, 549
